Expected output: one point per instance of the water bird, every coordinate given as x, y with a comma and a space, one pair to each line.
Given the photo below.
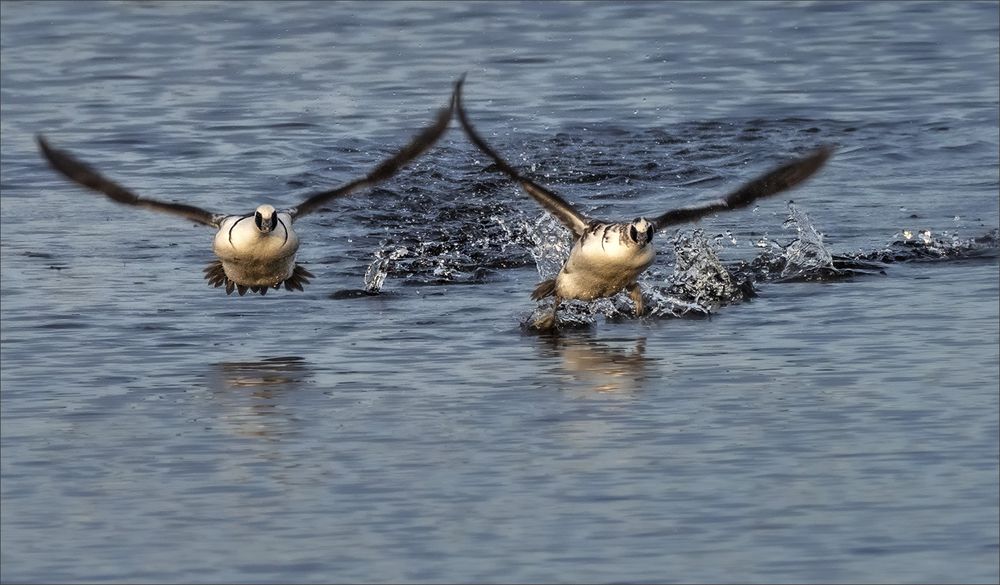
607, 257
256, 250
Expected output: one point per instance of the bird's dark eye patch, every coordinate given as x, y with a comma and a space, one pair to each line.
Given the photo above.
649, 233
634, 233
258, 219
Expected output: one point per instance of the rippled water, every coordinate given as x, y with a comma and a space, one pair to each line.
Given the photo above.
813, 398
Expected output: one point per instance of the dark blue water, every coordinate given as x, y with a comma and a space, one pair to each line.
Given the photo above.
824, 409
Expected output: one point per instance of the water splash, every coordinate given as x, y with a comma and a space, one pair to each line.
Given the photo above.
806, 257
451, 243
572, 314
380, 266
700, 283
550, 244
924, 245
699, 274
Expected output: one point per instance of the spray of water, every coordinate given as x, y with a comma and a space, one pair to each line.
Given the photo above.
806, 256
466, 245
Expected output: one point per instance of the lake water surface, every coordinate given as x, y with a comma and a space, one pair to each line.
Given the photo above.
813, 399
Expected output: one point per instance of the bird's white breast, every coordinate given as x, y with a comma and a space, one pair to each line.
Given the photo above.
252, 257
602, 262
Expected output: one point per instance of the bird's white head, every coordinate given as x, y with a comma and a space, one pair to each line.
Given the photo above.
266, 218
641, 231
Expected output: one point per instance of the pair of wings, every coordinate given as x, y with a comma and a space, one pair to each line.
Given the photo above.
83, 174
780, 179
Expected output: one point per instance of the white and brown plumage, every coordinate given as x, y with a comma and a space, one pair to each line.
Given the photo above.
256, 251
608, 257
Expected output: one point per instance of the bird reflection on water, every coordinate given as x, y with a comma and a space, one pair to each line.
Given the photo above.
600, 366
251, 393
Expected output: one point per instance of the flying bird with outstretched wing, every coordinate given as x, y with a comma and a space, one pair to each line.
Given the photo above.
607, 256
256, 250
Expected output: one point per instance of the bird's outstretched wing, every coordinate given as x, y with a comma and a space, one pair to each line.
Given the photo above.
420, 143
780, 179
83, 174
552, 202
